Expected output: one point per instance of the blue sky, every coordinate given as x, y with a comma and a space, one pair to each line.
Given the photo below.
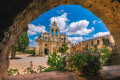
79, 24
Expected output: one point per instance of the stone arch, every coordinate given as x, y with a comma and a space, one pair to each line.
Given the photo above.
14, 19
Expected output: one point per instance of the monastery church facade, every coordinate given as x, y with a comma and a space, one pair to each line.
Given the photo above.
48, 43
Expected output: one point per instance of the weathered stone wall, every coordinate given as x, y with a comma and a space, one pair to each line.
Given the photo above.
16, 15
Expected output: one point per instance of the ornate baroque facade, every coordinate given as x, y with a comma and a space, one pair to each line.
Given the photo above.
50, 42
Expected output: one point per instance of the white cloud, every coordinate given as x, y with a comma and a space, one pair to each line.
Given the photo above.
61, 21
33, 29
94, 22
31, 32
60, 11
30, 40
99, 34
99, 21
79, 28
87, 38
75, 39
35, 37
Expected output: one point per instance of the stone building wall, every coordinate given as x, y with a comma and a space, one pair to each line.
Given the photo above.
92, 43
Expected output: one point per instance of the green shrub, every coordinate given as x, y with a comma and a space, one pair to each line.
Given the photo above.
105, 55
56, 62
86, 62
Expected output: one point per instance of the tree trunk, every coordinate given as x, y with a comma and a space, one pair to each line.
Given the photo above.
13, 54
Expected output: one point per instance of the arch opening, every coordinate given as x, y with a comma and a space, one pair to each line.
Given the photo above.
103, 13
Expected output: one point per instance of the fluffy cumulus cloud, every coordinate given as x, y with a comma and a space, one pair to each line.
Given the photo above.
61, 21
33, 29
99, 34
75, 39
79, 28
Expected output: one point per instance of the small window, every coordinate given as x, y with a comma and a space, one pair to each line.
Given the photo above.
92, 43
98, 42
45, 44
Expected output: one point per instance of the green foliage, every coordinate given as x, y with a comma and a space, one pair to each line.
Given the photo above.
63, 49
105, 55
30, 52
12, 72
105, 51
86, 62
56, 62
105, 42
30, 69
22, 43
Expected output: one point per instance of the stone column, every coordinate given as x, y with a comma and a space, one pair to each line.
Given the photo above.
115, 55
37, 49
53, 32
4, 60
43, 49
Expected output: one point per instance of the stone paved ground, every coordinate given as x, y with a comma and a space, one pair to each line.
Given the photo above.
24, 62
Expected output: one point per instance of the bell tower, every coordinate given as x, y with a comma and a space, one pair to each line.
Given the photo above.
55, 29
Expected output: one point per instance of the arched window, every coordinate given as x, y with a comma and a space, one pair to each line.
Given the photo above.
98, 42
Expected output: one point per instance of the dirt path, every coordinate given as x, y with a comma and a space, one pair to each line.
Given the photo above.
23, 61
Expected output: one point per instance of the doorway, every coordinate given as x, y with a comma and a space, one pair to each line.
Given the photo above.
46, 51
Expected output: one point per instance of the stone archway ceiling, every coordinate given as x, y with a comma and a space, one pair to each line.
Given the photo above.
15, 15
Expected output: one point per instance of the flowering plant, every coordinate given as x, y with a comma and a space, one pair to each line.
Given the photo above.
86, 62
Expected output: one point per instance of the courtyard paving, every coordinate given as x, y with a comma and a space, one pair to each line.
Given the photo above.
23, 61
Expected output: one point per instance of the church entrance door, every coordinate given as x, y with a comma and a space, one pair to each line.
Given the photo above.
46, 51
